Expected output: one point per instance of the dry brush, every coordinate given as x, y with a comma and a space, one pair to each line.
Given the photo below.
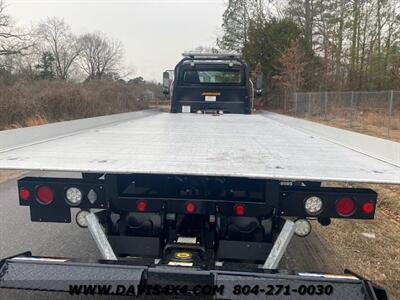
27, 104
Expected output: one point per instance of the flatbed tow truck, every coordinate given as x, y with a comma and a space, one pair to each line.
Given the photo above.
201, 203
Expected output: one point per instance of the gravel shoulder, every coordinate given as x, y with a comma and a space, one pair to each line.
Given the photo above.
9, 174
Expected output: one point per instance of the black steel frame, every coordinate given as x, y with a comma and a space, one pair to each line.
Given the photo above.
272, 198
118, 195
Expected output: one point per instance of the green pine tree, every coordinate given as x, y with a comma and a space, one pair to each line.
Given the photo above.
46, 67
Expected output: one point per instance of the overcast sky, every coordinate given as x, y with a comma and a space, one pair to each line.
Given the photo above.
154, 32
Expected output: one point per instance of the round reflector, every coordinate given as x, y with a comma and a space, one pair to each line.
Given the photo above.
345, 206
141, 205
24, 194
190, 207
44, 194
368, 207
240, 209
302, 227
73, 196
313, 205
81, 218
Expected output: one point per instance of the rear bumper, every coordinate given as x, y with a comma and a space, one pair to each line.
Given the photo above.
149, 280
233, 107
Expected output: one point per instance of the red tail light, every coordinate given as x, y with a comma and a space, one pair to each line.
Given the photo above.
141, 205
345, 206
368, 207
240, 209
190, 207
24, 194
44, 194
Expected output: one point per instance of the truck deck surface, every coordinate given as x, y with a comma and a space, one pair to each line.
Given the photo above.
255, 146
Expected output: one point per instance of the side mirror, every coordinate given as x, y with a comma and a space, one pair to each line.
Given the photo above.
166, 83
259, 84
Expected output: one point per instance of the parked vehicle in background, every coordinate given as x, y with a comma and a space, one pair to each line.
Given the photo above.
210, 83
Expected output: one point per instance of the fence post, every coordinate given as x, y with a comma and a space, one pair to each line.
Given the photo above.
309, 104
284, 101
351, 108
390, 112
295, 104
326, 105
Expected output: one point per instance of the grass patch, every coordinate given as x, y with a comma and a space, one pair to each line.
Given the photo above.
376, 258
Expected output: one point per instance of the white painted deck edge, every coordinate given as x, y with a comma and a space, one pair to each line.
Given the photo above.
386, 150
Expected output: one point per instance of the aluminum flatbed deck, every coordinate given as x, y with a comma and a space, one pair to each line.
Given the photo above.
266, 146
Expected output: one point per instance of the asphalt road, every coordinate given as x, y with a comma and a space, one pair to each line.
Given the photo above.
18, 234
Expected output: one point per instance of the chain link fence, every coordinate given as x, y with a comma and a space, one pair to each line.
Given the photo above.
374, 112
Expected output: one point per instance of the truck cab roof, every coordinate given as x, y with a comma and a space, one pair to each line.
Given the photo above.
213, 62
219, 59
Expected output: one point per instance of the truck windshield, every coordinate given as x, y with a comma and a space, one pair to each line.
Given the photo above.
212, 76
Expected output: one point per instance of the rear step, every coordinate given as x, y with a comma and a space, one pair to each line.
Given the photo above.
61, 274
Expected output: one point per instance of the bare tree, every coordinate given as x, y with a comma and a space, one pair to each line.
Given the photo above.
236, 21
12, 42
100, 55
293, 62
58, 39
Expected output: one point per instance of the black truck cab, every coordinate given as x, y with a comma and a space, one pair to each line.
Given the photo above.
210, 83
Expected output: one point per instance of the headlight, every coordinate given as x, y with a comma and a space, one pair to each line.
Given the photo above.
81, 218
302, 227
73, 196
313, 205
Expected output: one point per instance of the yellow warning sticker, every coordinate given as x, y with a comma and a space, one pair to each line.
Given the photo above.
183, 255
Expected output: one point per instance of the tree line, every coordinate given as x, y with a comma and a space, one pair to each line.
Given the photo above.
317, 45
52, 51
